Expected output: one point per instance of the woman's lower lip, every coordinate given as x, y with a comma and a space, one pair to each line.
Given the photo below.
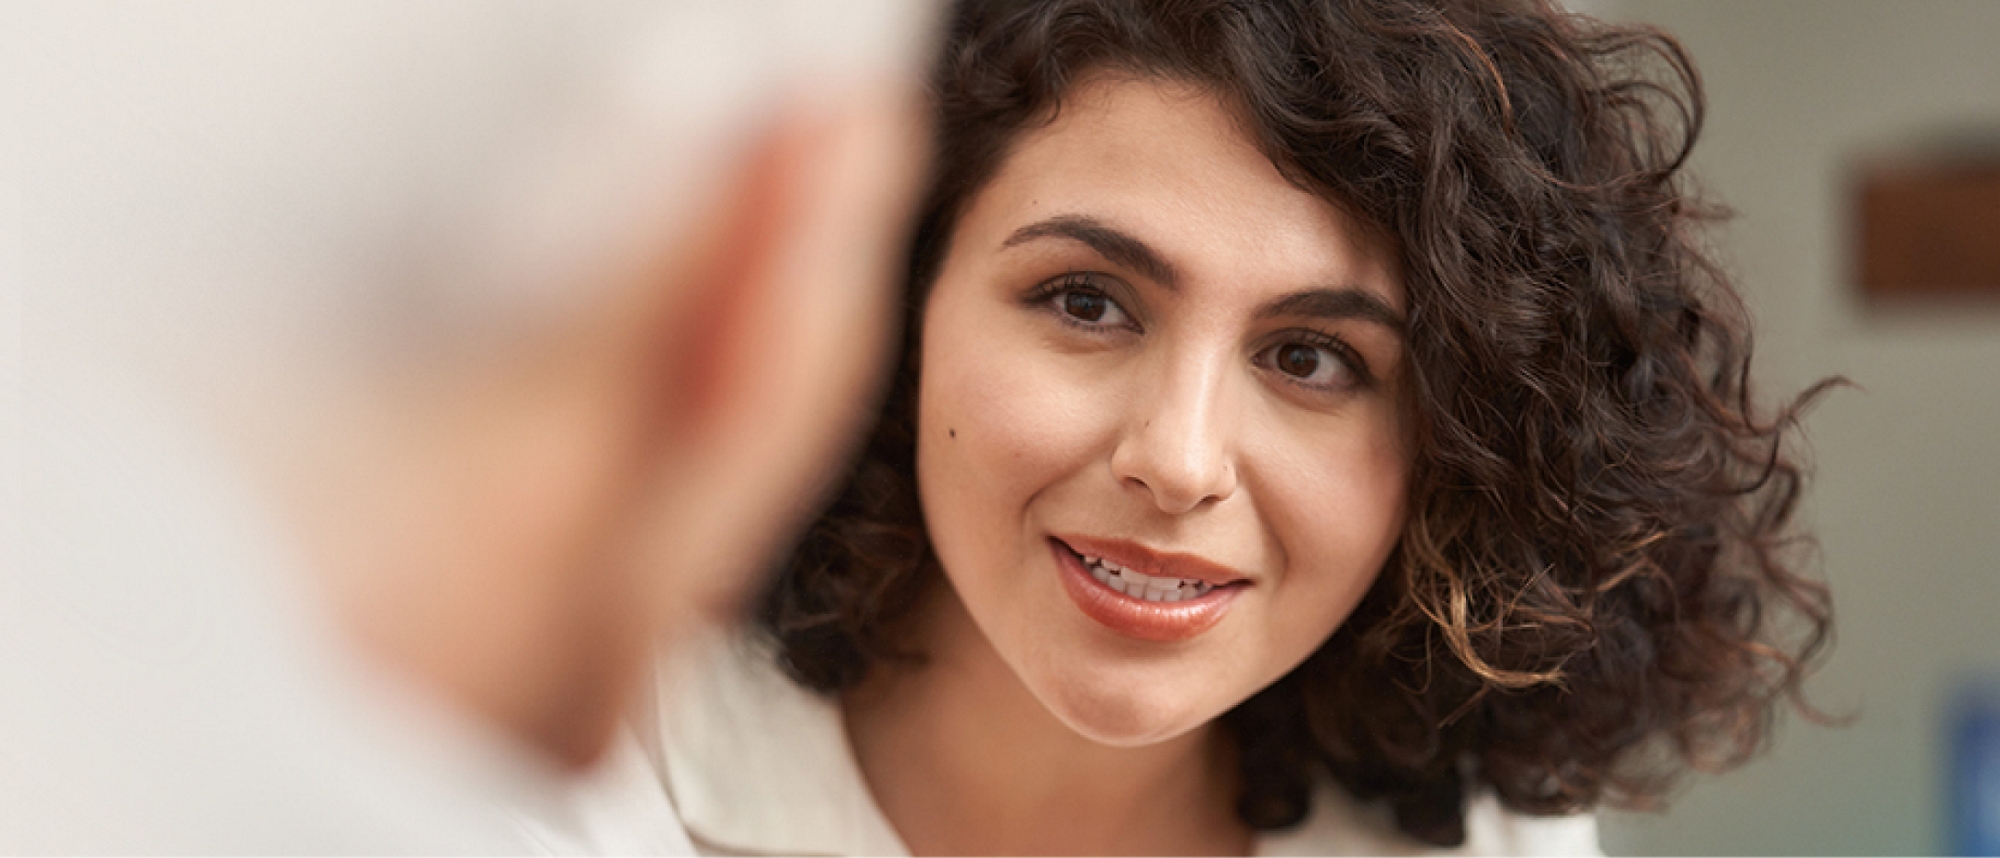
1138, 618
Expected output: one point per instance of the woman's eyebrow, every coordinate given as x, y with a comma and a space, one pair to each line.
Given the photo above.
1343, 302
1119, 247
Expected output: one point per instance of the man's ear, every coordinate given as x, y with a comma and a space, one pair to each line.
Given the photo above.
731, 287
788, 303
775, 353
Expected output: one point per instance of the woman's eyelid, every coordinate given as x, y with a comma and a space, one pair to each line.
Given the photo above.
1112, 289
1337, 348
1123, 298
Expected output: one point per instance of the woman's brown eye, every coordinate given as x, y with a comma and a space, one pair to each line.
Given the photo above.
1297, 360
1085, 306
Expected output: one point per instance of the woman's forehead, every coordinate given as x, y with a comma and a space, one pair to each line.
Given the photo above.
1171, 163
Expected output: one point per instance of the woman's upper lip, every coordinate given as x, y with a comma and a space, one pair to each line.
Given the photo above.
1153, 563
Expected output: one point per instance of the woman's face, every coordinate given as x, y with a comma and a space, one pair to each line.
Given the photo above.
1160, 447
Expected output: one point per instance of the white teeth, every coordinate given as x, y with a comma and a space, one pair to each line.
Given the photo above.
1144, 587
1099, 561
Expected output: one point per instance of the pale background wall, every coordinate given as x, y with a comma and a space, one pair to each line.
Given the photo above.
1907, 499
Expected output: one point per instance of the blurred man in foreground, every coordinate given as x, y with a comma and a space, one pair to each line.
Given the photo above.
394, 377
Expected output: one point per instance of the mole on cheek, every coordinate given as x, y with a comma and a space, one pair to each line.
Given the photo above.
952, 432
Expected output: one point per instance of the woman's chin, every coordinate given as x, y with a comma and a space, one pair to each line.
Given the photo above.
1124, 720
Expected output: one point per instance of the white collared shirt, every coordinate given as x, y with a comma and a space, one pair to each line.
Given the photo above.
757, 765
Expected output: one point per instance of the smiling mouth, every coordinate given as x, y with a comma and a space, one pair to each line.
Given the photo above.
1153, 607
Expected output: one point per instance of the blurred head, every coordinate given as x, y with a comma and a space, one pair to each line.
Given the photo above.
1491, 504
544, 321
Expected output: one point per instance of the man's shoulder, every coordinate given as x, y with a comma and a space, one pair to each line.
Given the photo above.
180, 693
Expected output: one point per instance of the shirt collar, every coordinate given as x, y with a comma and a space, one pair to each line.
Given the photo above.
757, 764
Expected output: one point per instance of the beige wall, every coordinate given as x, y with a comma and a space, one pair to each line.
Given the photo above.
1907, 500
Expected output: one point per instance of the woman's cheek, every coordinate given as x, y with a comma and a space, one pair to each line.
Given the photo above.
1007, 420
1334, 497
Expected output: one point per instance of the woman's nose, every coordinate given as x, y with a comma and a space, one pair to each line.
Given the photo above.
1178, 444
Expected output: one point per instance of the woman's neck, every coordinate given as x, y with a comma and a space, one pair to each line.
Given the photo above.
963, 760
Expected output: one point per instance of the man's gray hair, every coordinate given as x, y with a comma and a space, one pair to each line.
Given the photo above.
257, 175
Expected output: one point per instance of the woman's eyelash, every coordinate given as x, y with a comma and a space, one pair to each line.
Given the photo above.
1077, 300
1047, 290
1335, 346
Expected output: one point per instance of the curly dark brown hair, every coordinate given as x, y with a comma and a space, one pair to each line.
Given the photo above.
1597, 586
